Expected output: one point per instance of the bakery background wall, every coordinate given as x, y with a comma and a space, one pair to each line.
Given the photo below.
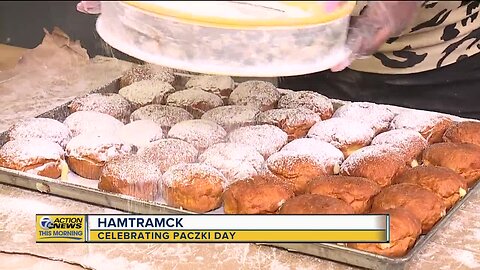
22, 23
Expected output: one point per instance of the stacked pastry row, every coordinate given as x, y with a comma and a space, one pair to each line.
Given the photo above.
254, 150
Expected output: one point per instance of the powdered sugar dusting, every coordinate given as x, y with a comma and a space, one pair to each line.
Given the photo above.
290, 117
232, 116
168, 152
420, 121
88, 121
141, 133
41, 128
147, 72
374, 115
219, 85
165, 116
313, 150
310, 100
266, 139
195, 100
101, 145
235, 161
401, 138
200, 133
146, 92
366, 153
25, 152
185, 173
341, 132
132, 169
108, 103
259, 94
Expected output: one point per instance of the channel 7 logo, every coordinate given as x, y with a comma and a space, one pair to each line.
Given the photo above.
46, 223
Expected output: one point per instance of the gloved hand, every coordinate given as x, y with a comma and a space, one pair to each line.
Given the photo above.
89, 7
379, 21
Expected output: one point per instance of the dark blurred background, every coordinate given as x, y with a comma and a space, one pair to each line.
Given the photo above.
22, 23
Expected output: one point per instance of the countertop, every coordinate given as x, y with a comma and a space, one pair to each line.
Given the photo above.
455, 247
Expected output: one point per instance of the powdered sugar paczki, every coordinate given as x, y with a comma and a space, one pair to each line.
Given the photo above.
198, 132
195, 101
235, 161
322, 153
169, 152
108, 103
222, 86
409, 142
185, 173
342, 132
41, 128
309, 100
141, 133
131, 175
165, 116
295, 121
266, 139
259, 94
430, 124
147, 72
146, 92
98, 146
379, 163
376, 116
91, 122
232, 116
25, 152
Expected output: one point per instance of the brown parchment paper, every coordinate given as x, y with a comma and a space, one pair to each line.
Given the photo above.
51, 74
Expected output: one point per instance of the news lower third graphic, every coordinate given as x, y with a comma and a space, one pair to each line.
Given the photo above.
212, 228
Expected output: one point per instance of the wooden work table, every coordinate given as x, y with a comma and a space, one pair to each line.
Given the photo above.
455, 247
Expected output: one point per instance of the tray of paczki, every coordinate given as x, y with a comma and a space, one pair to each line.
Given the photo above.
149, 144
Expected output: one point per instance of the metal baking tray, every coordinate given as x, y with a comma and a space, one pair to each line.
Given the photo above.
87, 192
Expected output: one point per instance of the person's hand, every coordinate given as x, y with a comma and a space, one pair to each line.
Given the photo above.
380, 21
89, 7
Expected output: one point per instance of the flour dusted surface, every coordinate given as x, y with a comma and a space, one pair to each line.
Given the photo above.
132, 169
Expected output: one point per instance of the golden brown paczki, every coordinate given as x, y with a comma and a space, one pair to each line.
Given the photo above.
463, 132
256, 195
313, 204
358, 192
405, 229
302, 160
87, 153
463, 158
376, 162
427, 206
194, 186
108, 103
131, 175
446, 183
36, 156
